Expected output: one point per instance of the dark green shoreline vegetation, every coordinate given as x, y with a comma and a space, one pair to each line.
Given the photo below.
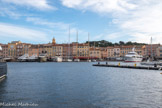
104, 43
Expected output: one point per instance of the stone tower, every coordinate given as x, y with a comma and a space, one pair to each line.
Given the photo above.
53, 41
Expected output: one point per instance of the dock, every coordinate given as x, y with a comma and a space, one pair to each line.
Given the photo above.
128, 66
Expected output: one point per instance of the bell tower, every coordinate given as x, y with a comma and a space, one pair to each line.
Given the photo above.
53, 41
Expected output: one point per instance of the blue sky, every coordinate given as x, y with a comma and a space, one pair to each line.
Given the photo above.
38, 21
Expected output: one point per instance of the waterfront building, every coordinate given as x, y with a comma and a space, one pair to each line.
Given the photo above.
110, 52
139, 49
125, 49
57, 50
143, 50
151, 50
33, 50
95, 53
48, 49
116, 51
12, 49
75, 50
104, 54
159, 52
26, 47
67, 51
19, 49
80, 50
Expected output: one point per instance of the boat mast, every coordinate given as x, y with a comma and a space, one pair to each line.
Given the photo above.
151, 49
69, 45
88, 46
77, 44
94, 49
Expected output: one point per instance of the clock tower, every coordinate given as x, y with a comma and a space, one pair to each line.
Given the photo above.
53, 41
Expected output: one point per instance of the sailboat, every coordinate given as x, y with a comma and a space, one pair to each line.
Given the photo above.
68, 59
150, 60
77, 59
89, 50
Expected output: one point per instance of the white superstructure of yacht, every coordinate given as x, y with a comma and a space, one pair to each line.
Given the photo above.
133, 56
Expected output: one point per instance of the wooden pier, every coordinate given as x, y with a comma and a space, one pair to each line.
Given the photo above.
129, 66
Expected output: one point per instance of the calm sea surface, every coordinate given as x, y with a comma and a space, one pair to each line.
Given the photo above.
80, 85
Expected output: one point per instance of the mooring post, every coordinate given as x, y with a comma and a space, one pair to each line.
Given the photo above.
98, 62
106, 63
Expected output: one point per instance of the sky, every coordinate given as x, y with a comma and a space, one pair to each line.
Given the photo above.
38, 21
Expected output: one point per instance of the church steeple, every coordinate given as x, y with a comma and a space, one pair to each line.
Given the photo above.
53, 41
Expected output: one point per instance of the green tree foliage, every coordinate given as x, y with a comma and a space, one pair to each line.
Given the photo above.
104, 43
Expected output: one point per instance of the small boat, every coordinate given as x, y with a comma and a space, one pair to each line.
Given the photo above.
77, 60
148, 62
133, 57
89, 61
119, 59
93, 60
42, 57
69, 60
57, 59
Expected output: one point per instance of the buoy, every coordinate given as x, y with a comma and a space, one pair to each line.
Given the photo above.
135, 65
119, 64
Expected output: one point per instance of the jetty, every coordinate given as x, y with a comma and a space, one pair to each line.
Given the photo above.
129, 66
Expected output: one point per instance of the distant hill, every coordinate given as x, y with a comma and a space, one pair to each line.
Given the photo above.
104, 43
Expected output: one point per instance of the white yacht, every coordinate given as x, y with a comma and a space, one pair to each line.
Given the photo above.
133, 56
42, 57
89, 60
23, 57
77, 60
58, 59
34, 57
69, 60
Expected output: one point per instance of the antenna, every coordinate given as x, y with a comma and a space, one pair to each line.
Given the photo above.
88, 37
69, 35
69, 44
77, 36
88, 46
77, 44
151, 49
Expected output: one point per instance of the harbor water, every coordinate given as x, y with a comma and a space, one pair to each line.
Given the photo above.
79, 85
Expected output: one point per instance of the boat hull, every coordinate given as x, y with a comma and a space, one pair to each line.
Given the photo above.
42, 59
57, 59
131, 59
3, 70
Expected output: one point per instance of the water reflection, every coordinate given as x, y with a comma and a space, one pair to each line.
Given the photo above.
80, 85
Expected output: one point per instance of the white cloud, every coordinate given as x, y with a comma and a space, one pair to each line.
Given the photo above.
143, 23
140, 19
13, 31
61, 29
100, 5
39, 21
38, 4
8, 11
